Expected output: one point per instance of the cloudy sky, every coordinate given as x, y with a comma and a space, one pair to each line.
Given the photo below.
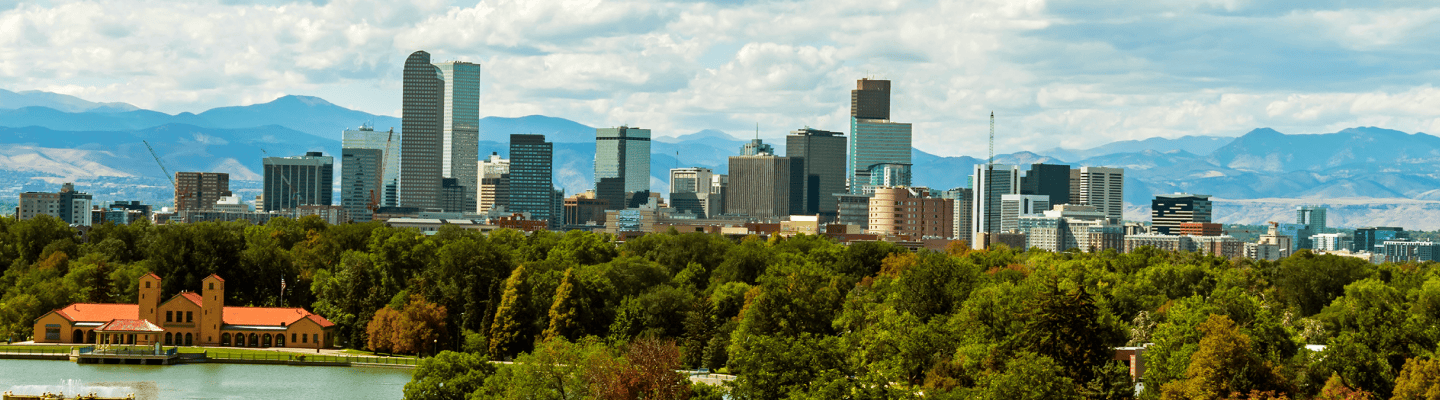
1056, 73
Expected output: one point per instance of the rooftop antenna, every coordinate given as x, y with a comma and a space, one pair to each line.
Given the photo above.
757, 131
992, 138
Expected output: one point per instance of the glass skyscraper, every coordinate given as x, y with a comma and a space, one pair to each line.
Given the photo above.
388, 143
531, 190
296, 181
622, 164
821, 155
461, 130
874, 139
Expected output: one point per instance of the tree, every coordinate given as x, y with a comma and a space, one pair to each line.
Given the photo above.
510, 317
1223, 365
380, 328
647, 373
562, 312
448, 375
1419, 380
1067, 327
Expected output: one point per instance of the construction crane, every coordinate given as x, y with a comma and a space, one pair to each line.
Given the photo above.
992, 138
375, 193
171, 178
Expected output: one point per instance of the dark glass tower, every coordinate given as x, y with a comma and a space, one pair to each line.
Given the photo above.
422, 115
821, 156
1047, 180
531, 191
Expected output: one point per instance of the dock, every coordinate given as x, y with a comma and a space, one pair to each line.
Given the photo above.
125, 355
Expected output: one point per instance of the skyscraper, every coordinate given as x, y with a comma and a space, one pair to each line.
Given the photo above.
1168, 211
760, 186
1013, 206
622, 164
1103, 188
821, 155
360, 178
306, 180
494, 184
756, 147
461, 130
388, 143
874, 139
531, 190
422, 116
964, 205
1050, 180
992, 182
196, 191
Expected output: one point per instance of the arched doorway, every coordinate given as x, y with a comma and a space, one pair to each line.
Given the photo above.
254, 340
78, 337
225, 339
265, 340
280, 340
189, 340
169, 339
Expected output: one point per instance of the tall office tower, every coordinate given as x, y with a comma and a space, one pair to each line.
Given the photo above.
1048, 180
388, 143
1103, 188
759, 186
1312, 216
719, 187
422, 116
494, 184
991, 183
756, 147
874, 139
531, 190
622, 164
461, 130
1013, 206
360, 178
195, 191
1168, 211
911, 212
1372, 239
821, 155
964, 204
68, 205
306, 180
690, 190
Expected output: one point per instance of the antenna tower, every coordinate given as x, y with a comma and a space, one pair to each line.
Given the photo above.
992, 137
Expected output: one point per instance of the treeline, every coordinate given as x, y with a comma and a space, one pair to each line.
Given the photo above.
802, 317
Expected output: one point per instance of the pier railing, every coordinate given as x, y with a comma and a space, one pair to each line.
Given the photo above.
309, 358
35, 351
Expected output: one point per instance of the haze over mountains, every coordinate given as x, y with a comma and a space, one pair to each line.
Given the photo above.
51, 137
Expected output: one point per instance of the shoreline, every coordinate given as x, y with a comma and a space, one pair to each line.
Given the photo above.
247, 356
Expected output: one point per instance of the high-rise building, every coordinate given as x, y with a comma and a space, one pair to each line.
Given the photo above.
719, 187
360, 178
964, 205
690, 190
874, 138
911, 212
583, 210
1331, 241
1050, 180
531, 190
388, 143
622, 164
821, 155
422, 116
306, 180
195, 191
68, 205
760, 186
1168, 211
1313, 218
1371, 239
1103, 188
757, 147
889, 174
460, 131
992, 182
494, 184
1013, 206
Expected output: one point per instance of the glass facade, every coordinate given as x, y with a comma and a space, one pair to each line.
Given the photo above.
388, 143
875, 142
531, 190
305, 180
421, 149
461, 130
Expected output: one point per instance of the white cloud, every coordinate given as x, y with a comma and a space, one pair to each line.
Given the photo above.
1057, 73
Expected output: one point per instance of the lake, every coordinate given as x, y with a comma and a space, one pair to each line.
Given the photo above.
205, 381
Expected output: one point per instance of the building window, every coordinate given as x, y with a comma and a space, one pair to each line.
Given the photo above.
292, 339
212, 286
147, 285
168, 315
52, 333
189, 316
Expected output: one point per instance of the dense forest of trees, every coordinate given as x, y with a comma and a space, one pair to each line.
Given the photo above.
803, 317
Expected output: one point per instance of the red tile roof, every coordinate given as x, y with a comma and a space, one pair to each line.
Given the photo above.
324, 323
152, 275
265, 316
216, 276
91, 312
129, 325
194, 298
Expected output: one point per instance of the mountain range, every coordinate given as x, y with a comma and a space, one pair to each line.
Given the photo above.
51, 137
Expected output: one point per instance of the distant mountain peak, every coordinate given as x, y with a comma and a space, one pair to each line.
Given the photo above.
306, 100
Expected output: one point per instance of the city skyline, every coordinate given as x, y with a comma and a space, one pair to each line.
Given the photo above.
1056, 73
